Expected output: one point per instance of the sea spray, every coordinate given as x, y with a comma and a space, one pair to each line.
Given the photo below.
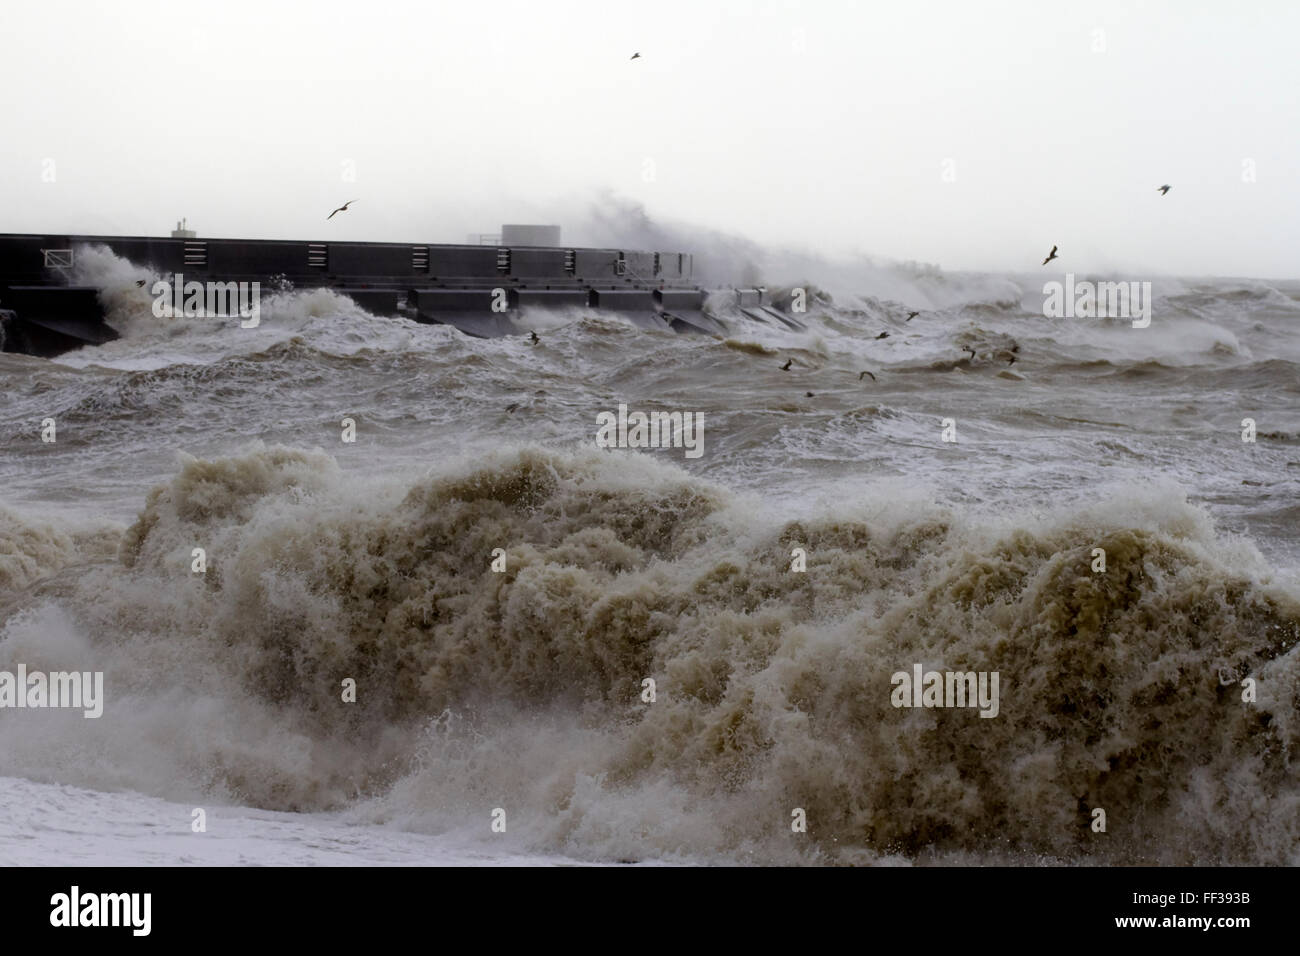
773, 687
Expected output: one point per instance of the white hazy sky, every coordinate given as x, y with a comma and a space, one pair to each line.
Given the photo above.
822, 125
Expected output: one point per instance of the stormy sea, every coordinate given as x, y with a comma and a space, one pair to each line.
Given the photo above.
431, 602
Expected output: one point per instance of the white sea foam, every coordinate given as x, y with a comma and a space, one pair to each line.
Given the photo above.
522, 690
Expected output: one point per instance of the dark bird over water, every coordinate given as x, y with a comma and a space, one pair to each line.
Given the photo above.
912, 315
140, 283
636, 56
883, 335
533, 336
342, 208
860, 374
786, 366
1050, 256
971, 351
1164, 190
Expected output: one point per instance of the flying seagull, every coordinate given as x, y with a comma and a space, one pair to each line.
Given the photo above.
786, 366
1050, 256
860, 374
342, 208
636, 56
1164, 190
912, 315
140, 283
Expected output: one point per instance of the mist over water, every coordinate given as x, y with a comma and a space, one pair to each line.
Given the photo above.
522, 689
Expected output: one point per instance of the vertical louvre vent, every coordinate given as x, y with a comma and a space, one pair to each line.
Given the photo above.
620, 265
656, 272
419, 258
196, 254
570, 262
503, 261
317, 255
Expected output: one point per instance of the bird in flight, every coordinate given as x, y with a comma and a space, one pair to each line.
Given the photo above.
883, 335
1164, 190
534, 337
912, 315
1050, 256
342, 208
636, 56
786, 366
860, 374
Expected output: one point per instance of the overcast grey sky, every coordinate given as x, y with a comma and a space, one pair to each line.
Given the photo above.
972, 135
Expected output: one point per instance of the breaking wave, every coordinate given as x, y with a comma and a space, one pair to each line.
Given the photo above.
522, 689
